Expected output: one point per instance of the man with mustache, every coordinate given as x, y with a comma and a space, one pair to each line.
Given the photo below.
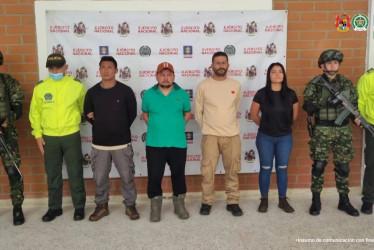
166, 110
216, 105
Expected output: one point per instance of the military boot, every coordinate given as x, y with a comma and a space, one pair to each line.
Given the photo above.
179, 208
156, 203
101, 210
346, 206
315, 208
18, 218
132, 212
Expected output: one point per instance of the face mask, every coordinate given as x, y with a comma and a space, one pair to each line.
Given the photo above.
56, 77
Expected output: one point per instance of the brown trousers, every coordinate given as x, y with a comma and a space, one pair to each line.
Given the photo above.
230, 148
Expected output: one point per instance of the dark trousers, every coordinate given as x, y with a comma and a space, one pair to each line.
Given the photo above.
68, 147
156, 160
368, 184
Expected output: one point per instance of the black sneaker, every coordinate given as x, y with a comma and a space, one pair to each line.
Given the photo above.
367, 208
234, 209
79, 214
205, 209
51, 214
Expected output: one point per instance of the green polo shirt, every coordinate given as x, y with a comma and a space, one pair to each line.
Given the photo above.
166, 124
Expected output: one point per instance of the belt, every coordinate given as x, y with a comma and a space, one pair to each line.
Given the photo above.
111, 147
331, 123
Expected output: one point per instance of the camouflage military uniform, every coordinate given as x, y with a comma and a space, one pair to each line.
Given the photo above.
14, 96
329, 136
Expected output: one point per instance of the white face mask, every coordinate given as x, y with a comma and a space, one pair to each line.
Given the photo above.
56, 77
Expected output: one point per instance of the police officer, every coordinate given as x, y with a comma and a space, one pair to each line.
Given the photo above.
328, 135
365, 88
11, 98
55, 114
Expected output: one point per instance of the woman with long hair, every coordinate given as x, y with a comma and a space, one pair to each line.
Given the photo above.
278, 106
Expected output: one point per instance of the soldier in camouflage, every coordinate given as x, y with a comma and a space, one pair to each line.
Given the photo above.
328, 135
11, 98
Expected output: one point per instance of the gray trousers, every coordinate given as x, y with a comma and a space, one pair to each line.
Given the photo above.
101, 163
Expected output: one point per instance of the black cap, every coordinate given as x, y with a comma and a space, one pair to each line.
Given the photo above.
55, 60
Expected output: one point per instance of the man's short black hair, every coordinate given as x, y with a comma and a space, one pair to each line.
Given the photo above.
220, 53
108, 59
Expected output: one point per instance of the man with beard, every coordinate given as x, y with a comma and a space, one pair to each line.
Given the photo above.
216, 105
166, 110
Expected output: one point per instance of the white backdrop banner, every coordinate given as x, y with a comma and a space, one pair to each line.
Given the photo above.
139, 41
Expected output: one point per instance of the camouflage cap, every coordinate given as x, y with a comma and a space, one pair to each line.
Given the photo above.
330, 55
55, 60
1, 58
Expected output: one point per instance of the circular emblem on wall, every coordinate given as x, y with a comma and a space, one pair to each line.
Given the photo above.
145, 51
360, 22
230, 50
144, 136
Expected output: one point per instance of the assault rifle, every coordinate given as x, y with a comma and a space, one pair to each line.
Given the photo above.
349, 108
2, 121
10, 155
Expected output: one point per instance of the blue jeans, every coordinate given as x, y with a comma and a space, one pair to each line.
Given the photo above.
269, 147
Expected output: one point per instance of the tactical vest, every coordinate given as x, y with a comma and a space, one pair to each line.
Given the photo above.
327, 112
4, 109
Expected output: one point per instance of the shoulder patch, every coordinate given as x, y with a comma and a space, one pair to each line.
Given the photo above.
39, 82
316, 79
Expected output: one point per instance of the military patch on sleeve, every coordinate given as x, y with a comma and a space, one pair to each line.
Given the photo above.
316, 79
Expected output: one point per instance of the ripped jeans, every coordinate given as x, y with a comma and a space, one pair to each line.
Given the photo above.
269, 147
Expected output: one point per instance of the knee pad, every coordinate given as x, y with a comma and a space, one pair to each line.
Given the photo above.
13, 175
342, 169
318, 168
